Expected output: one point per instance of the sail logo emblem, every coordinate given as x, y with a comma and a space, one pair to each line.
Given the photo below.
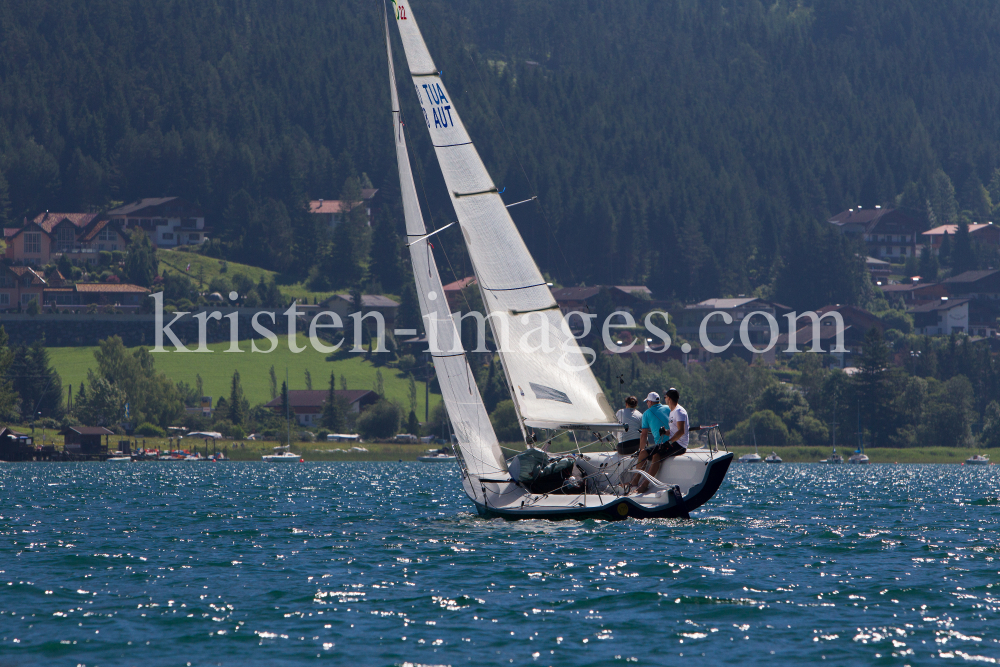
439, 103
400, 10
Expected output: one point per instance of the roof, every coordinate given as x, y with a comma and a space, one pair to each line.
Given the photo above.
48, 221
635, 290
338, 205
21, 271
312, 398
117, 288
575, 293
90, 430
724, 304
10, 231
460, 285
91, 234
972, 276
941, 304
870, 217
139, 205
953, 229
367, 300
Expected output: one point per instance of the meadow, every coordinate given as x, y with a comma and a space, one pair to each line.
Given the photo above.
216, 371
203, 269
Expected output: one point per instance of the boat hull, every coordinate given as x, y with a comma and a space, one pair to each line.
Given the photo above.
623, 507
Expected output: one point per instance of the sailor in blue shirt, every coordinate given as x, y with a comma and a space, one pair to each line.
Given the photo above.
656, 422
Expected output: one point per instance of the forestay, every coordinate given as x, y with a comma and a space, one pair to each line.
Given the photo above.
477, 442
550, 379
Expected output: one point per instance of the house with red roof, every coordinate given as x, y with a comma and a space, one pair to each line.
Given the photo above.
19, 286
330, 212
307, 404
986, 234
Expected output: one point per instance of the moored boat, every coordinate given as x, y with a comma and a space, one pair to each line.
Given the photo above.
978, 460
773, 458
282, 454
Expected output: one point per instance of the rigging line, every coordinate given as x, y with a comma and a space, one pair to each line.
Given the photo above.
427, 236
512, 289
534, 192
521, 202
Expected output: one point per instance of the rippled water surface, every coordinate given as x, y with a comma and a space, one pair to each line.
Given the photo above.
387, 564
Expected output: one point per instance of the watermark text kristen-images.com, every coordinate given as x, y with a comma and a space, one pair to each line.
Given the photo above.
526, 333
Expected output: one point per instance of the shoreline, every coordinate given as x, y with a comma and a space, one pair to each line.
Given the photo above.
387, 452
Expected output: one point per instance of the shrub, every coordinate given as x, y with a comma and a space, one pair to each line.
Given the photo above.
380, 421
504, 419
150, 430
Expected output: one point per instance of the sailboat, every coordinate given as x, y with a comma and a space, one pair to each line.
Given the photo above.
773, 458
859, 457
751, 458
835, 458
551, 384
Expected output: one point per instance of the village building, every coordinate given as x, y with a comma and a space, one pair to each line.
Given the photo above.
915, 294
632, 298
983, 289
857, 323
343, 305
168, 221
688, 322
86, 440
330, 212
941, 318
453, 293
879, 269
121, 295
986, 234
19, 286
307, 404
889, 234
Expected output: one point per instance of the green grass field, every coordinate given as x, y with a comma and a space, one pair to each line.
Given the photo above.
216, 370
206, 268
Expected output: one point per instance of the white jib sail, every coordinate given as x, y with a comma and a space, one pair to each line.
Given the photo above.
477, 442
551, 381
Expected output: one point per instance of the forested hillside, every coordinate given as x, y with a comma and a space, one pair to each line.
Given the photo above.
671, 143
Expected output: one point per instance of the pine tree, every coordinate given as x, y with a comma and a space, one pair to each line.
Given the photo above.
141, 265
4, 202
408, 313
274, 383
239, 410
334, 417
309, 380
928, 264
384, 265
8, 397
873, 385
284, 401
944, 252
963, 255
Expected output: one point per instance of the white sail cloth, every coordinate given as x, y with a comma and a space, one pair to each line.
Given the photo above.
477, 442
550, 379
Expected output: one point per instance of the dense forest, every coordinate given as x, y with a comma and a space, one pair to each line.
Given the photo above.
670, 143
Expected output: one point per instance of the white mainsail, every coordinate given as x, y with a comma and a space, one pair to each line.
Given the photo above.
549, 377
477, 442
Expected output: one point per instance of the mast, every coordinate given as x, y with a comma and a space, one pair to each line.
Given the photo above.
477, 447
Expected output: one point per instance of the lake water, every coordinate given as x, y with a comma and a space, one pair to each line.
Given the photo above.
388, 564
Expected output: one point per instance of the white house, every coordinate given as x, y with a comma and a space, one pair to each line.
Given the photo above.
169, 221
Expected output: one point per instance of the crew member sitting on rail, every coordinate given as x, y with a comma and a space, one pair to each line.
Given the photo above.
670, 422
